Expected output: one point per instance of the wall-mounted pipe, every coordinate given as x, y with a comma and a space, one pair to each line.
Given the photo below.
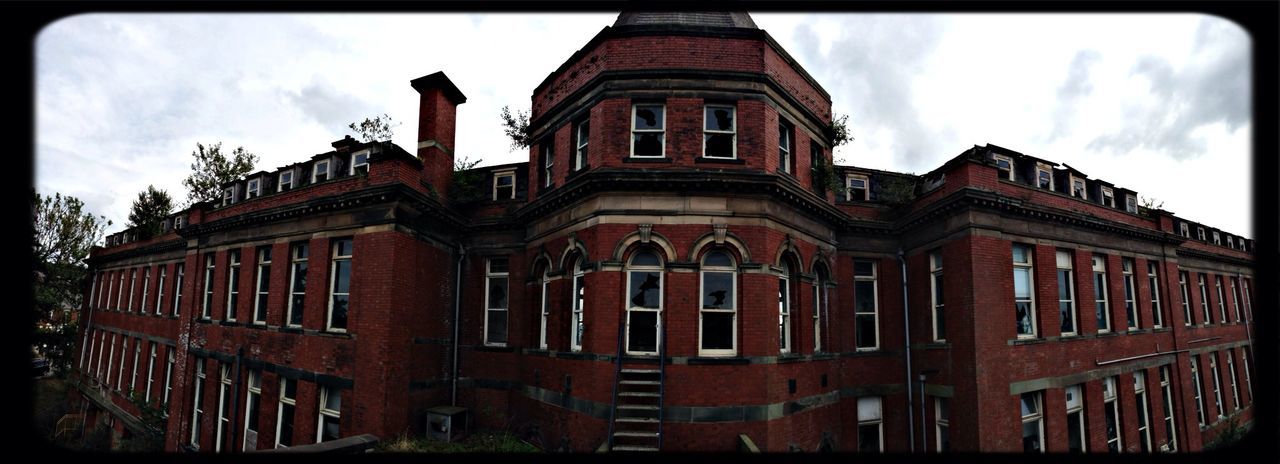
457, 310
1158, 353
906, 348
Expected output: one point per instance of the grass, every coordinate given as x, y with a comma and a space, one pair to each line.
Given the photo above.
479, 442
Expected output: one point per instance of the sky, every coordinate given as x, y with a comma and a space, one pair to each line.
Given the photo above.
1157, 103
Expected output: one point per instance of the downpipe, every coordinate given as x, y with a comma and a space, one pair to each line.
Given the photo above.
457, 309
906, 348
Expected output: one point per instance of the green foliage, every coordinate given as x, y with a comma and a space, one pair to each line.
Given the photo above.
378, 129
825, 178
894, 190
1232, 433
151, 439
63, 234
480, 442
57, 344
839, 130
211, 169
149, 210
468, 183
516, 127
1150, 202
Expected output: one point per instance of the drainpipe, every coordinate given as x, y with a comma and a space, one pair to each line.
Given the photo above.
924, 429
235, 402
457, 309
906, 345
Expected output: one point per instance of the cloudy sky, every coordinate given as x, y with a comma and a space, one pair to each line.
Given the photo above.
1156, 103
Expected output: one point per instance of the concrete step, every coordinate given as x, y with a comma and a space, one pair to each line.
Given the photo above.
638, 407
637, 420
634, 434
641, 394
641, 371
650, 449
638, 382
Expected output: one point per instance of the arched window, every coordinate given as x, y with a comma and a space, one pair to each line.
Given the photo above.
577, 324
718, 333
821, 300
644, 302
784, 308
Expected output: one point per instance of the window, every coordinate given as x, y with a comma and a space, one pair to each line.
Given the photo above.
1032, 423
1004, 165
177, 288
817, 168
1186, 299
133, 375
1217, 384
168, 380
718, 317
1077, 189
1235, 297
1184, 230
856, 186
1200, 233
233, 283
284, 412
1166, 396
251, 402
330, 414
160, 289
1130, 306
228, 195
719, 132
866, 307
870, 425
101, 349
935, 293
1248, 306
1244, 362
297, 285
821, 299
504, 185
1066, 292
1217, 240
254, 189
197, 408
286, 181
548, 161
224, 405
208, 287
1204, 299
1195, 377
339, 285
1144, 414
178, 222
94, 290
582, 134
495, 302
1101, 309
784, 147
1231, 371
647, 127
133, 284
1153, 285
146, 290
320, 171
360, 163
1111, 407
1222, 301
1023, 293
1044, 176
263, 290
86, 345
120, 292
1131, 204
545, 305
1077, 439
124, 354
644, 306
577, 324
784, 308
1230, 242
941, 424
1108, 198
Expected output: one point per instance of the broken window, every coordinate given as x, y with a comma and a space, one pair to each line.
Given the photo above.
719, 132
647, 129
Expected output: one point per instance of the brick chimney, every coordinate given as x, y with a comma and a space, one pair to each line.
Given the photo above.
438, 104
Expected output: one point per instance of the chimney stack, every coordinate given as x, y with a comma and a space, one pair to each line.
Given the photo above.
438, 104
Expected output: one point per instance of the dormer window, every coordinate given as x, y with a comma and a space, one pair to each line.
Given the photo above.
1200, 233
1004, 164
1108, 198
1044, 176
1131, 204
719, 132
179, 222
360, 163
1217, 240
1185, 230
1231, 243
320, 172
286, 181
228, 196
254, 189
857, 187
1077, 189
504, 186
648, 125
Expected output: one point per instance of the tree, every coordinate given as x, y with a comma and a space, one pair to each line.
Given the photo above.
466, 181
211, 169
378, 129
516, 127
839, 130
149, 210
63, 234
1151, 202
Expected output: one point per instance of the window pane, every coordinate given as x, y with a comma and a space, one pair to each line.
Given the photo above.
645, 289
330, 429
342, 276
869, 438
645, 258
1075, 442
718, 258
1022, 283
648, 117
719, 145
286, 424
866, 331
1064, 285
339, 312
719, 118
717, 290
869, 409
717, 331
863, 268
1031, 436
643, 331
343, 247
865, 296
497, 327
497, 292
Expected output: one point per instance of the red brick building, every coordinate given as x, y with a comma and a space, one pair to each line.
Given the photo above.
679, 264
